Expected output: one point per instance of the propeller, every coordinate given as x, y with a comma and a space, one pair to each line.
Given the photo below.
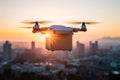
73, 22
79, 22
91, 22
41, 22
26, 27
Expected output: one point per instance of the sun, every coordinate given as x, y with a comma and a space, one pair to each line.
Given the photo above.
48, 34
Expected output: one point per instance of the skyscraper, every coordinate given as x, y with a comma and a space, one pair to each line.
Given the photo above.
33, 46
80, 48
7, 51
93, 47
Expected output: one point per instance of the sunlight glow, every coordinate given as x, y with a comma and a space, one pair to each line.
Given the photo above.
58, 11
48, 34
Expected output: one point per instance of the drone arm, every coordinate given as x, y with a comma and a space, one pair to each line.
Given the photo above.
76, 29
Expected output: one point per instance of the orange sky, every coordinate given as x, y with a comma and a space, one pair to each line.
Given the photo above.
12, 12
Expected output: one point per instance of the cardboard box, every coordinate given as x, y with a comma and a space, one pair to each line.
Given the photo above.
59, 42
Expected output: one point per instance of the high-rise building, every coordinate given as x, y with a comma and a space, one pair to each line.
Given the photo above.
80, 48
93, 47
7, 51
33, 46
96, 45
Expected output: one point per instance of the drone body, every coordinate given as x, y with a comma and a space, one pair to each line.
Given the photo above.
58, 28
60, 36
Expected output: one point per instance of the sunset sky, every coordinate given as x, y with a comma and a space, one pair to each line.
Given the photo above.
12, 12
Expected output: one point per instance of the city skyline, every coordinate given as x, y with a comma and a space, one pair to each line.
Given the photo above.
14, 11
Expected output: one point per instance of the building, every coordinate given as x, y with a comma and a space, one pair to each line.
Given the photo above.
33, 46
93, 47
7, 51
80, 48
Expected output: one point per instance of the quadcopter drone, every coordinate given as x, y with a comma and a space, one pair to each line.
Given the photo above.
61, 38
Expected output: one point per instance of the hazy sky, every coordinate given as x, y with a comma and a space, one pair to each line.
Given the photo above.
107, 12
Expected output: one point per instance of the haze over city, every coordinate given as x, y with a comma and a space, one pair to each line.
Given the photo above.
87, 50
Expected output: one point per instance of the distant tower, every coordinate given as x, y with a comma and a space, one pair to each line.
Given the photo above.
90, 46
7, 51
93, 47
80, 48
33, 46
96, 45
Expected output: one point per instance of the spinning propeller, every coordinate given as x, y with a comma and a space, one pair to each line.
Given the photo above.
43, 22
79, 22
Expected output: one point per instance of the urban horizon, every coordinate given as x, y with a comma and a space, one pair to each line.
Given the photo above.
59, 40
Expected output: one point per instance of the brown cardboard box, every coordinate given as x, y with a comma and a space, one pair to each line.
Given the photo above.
59, 42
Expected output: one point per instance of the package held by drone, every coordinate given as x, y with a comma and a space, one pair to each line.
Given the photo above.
59, 42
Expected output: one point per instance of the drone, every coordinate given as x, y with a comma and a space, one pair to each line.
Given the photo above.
61, 35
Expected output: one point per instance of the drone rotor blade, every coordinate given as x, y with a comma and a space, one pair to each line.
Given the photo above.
73, 22
26, 27
79, 22
33, 22
91, 22
45, 22
28, 22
